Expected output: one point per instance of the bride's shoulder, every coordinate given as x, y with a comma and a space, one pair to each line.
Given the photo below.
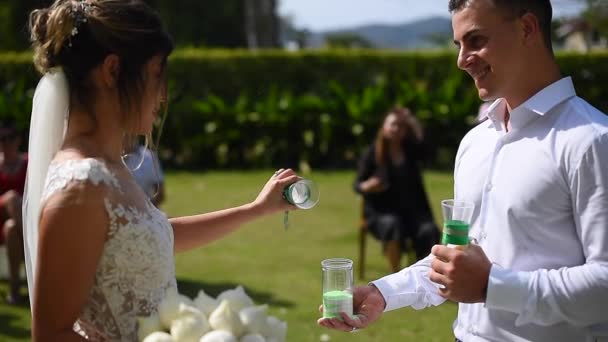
79, 176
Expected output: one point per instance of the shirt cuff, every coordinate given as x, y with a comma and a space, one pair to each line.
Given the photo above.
507, 290
385, 288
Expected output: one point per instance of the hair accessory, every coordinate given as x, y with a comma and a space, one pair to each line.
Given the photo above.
79, 12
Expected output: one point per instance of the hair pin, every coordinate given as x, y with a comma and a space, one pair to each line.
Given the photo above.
79, 12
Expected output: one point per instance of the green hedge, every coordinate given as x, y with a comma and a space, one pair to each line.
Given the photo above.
275, 108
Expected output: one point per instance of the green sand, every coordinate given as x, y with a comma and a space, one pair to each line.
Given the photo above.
335, 302
455, 232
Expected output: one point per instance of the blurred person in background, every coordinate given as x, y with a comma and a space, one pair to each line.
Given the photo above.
396, 206
148, 173
13, 169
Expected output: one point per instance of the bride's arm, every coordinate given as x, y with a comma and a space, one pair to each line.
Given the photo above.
198, 230
71, 240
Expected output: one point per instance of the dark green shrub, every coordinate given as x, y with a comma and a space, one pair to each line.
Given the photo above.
274, 108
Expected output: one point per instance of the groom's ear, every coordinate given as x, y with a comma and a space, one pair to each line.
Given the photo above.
110, 69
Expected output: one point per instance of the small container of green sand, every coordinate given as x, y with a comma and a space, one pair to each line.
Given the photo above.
456, 221
337, 287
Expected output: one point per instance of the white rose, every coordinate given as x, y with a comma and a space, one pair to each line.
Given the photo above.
187, 310
148, 325
224, 318
205, 303
218, 336
237, 298
169, 307
253, 338
254, 318
185, 300
158, 336
275, 329
189, 328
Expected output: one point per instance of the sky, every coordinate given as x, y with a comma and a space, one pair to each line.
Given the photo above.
320, 15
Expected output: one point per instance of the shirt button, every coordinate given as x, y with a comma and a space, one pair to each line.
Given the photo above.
489, 187
484, 234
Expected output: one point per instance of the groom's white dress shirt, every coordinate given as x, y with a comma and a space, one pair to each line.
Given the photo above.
541, 215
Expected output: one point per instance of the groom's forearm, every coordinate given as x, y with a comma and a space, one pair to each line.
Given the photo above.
198, 230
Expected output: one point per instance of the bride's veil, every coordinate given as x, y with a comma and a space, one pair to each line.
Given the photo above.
48, 124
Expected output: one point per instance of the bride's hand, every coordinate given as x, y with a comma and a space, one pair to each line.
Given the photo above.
270, 199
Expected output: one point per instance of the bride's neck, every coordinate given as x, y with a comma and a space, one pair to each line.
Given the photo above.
97, 135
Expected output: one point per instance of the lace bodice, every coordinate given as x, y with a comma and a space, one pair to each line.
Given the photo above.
137, 264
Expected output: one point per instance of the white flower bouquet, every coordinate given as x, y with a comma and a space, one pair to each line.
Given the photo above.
231, 317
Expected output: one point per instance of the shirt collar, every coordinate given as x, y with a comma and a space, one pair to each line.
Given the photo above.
496, 113
539, 104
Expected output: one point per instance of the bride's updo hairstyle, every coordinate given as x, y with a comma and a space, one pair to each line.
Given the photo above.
77, 35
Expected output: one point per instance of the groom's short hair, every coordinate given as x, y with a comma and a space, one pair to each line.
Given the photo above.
516, 8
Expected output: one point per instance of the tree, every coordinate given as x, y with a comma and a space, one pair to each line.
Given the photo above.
347, 40
440, 39
261, 23
596, 14
291, 36
226, 23
13, 29
204, 23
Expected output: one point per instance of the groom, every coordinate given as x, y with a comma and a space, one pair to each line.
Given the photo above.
536, 170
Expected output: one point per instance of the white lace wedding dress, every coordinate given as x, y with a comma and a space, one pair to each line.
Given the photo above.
137, 264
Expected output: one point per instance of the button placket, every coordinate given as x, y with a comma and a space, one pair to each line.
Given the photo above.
485, 200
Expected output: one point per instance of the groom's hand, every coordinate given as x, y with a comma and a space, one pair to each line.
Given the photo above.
368, 305
463, 273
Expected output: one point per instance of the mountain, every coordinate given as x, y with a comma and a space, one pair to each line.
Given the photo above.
419, 34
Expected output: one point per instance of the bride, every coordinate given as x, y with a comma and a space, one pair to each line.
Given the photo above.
98, 252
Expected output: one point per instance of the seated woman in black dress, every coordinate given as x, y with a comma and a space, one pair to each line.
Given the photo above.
389, 178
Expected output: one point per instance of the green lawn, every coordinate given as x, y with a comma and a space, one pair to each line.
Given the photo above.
278, 267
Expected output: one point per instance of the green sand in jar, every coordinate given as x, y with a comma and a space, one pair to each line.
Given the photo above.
455, 232
335, 302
